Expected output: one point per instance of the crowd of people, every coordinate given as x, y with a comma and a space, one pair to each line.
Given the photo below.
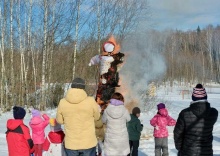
90, 130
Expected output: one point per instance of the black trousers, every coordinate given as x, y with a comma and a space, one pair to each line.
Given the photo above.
134, 147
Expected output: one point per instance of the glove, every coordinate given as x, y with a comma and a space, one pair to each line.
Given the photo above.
142, 125
156, 127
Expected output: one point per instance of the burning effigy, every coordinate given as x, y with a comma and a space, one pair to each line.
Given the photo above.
108, 61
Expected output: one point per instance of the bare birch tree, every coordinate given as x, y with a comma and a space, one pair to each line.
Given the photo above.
12, 53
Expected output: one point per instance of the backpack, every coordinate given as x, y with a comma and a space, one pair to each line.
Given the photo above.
55, 149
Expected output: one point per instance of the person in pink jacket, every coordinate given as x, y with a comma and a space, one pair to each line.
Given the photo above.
160, 122
38, 123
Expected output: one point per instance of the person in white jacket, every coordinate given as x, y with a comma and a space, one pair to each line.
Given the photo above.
116, 136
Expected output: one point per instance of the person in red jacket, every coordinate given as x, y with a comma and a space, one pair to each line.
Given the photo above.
53, 144
18, 135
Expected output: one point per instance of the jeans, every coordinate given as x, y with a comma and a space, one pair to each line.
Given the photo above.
134, 147
84, 152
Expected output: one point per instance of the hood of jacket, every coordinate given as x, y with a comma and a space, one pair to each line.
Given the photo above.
163, 112
75, 95
12, 124
200, 108
56, 137
115, 112
36, 120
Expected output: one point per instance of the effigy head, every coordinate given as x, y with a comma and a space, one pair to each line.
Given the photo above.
110, 47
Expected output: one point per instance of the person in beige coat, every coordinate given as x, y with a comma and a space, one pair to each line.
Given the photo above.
77, 112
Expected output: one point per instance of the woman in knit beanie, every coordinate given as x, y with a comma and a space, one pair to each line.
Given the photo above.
199, 93
193, 130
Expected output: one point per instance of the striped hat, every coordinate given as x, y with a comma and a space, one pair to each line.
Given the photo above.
199, 93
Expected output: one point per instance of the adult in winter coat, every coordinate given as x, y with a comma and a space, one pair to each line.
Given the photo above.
116, 117
77, 111
160, 122
18, 135
193, 130
134, 130
38, 126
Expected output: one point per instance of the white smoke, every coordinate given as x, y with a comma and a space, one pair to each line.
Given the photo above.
143, 64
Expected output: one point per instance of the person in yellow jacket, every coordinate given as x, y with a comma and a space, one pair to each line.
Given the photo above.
77, 112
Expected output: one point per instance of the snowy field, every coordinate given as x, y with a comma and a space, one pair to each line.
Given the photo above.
146, 148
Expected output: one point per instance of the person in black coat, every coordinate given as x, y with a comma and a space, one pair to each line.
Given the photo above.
193, 130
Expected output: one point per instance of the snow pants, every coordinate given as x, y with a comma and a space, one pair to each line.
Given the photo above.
161, 144
38, 149
133, 148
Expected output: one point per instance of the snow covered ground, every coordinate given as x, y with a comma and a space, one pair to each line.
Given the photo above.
176, 104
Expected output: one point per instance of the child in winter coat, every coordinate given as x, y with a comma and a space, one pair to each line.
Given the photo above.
53, 144
134, 130
18, 135
38, 126
160, 122
116, 117
99, 131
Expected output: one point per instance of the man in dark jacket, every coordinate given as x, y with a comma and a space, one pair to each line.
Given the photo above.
193, 130
134, 130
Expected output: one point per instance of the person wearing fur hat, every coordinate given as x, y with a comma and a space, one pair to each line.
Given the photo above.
18, 135
115, 117
160, 122
38, 123
77, 112
193, 130
134, 130
53, 144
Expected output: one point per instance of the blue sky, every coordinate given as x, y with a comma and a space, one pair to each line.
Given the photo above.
184, 14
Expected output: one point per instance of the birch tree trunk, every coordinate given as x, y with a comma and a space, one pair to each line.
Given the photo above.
43, 87
22, 62
28, 52
209, 44
3, 79
12, 53
76, 37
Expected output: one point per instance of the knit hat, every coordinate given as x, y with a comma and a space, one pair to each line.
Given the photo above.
161, 106
35, 113
18, 112
136, 110
78, 83
54, 126
199, 93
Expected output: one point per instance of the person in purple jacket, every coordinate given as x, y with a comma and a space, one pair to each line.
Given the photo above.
38, 123
160, 122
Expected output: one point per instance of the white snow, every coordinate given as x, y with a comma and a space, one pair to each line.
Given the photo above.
176, 104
